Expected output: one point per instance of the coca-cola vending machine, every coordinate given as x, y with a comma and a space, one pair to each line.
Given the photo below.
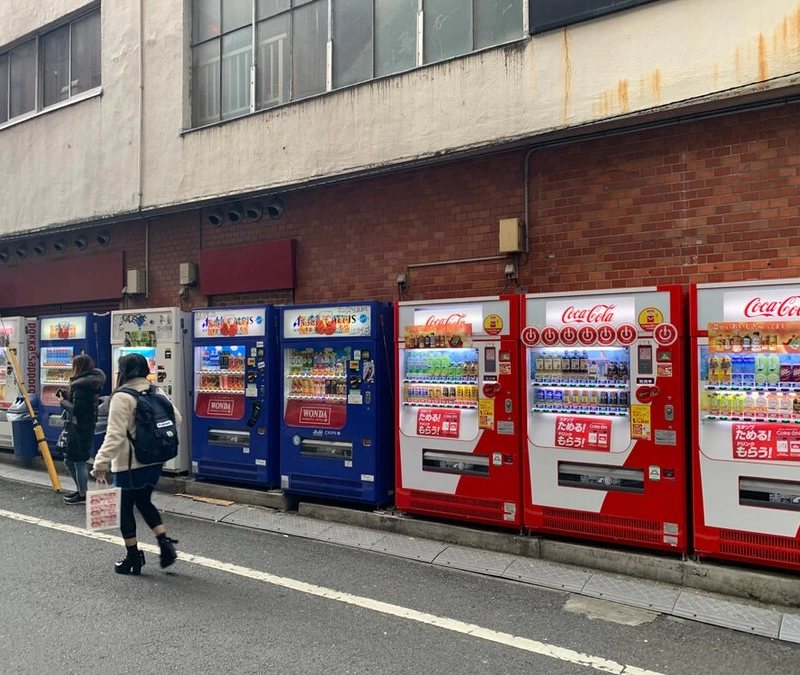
746, 427
605, 428
458, 452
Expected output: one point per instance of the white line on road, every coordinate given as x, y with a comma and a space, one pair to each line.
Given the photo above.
453, 625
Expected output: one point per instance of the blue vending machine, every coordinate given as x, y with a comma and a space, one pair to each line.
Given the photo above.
61, 338
235, 415
337, 425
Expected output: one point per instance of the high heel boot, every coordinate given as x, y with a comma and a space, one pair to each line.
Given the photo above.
168, 553
131, 563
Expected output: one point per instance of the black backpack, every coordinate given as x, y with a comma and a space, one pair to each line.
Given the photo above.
156, 433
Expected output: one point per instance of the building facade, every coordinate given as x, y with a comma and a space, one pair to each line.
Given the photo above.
214, 152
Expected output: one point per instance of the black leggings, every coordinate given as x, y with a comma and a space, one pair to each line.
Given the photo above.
141, 499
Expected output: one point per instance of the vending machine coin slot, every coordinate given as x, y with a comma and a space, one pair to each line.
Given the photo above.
669, 413
490, 360
645, 353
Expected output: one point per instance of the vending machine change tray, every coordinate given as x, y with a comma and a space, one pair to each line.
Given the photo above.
310, 447
769, 494
231, 437
600, 477
455, 462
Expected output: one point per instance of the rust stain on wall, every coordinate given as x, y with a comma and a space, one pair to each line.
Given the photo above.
762, 58
567, 77
622, 95
656, 85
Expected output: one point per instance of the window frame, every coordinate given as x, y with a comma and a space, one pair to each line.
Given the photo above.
287, 60
39, 41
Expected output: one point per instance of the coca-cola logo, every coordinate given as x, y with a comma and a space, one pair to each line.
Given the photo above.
455, 319
596, 314
788, 307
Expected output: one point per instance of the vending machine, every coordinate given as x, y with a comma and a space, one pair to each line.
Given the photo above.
162, 337
458, 443
22, 335
61, 338
606, 453
235, 416
746, 427
338, 377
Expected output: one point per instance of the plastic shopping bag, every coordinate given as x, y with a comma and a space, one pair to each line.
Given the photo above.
102, 506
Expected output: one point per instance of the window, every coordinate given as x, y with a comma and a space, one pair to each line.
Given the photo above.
251, 55
51, 67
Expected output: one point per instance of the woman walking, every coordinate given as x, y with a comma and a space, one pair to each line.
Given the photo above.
136, 480
80, 403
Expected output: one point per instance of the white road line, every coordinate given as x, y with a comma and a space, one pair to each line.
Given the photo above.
445, 623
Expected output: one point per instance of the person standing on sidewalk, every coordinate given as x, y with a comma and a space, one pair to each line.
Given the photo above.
136, 480
80, 405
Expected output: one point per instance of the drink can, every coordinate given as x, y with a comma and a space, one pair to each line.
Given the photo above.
613, 399
548, 395
623, 398
558, 396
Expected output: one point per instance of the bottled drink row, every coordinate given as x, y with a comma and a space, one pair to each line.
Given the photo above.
576, 366
454, 366
743, 370
747, 405
451, 396
609, 401
327, 363
59, 357
756, 341
318, 387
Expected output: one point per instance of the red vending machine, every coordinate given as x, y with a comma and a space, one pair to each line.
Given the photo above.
746, 427
605, 425
458, 453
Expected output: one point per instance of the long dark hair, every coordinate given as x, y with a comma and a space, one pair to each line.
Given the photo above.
131, 366
81, 364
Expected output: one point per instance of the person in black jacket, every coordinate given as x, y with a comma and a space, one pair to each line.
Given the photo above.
80, 403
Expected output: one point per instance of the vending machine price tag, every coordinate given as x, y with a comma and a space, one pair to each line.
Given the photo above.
582, 434
765, 441
440, 423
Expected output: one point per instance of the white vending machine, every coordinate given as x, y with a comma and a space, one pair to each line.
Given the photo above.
163, 337
22, 335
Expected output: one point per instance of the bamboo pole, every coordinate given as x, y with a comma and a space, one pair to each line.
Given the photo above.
37, 428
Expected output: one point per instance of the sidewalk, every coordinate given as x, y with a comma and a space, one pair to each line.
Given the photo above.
752, 601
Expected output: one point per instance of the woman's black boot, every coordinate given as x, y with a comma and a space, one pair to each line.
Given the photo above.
131, 563
168, 553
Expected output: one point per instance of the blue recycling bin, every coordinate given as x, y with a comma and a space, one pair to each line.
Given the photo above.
22, 435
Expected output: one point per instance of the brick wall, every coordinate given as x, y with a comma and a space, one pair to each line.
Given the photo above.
706, 201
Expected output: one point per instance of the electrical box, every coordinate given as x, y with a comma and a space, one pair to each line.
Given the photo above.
510, 236
188, 274
136, 281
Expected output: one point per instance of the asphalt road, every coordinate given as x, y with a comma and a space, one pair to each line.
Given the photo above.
247, 601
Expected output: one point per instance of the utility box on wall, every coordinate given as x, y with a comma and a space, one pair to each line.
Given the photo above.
510, 236
187, 274
136, 281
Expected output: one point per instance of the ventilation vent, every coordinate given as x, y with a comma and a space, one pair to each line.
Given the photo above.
325, 486
598, 525
227, 470
760, 547
452, 506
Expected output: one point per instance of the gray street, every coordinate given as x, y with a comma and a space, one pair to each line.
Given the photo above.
247, 601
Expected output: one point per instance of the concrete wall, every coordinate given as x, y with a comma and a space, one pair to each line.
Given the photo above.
81, 162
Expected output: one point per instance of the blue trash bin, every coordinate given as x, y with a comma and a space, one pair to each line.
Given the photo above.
23, 437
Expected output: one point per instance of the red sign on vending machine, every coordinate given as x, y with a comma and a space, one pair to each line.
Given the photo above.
583, 433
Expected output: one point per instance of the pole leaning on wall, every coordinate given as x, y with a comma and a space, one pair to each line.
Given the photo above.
37, 428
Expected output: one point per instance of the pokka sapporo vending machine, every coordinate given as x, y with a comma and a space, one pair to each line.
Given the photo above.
22, 335
606, 453
162, 337
458, 450
336, 438
746, 427
235, 417
61, 338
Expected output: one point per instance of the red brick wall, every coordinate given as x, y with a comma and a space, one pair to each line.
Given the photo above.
712, 200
